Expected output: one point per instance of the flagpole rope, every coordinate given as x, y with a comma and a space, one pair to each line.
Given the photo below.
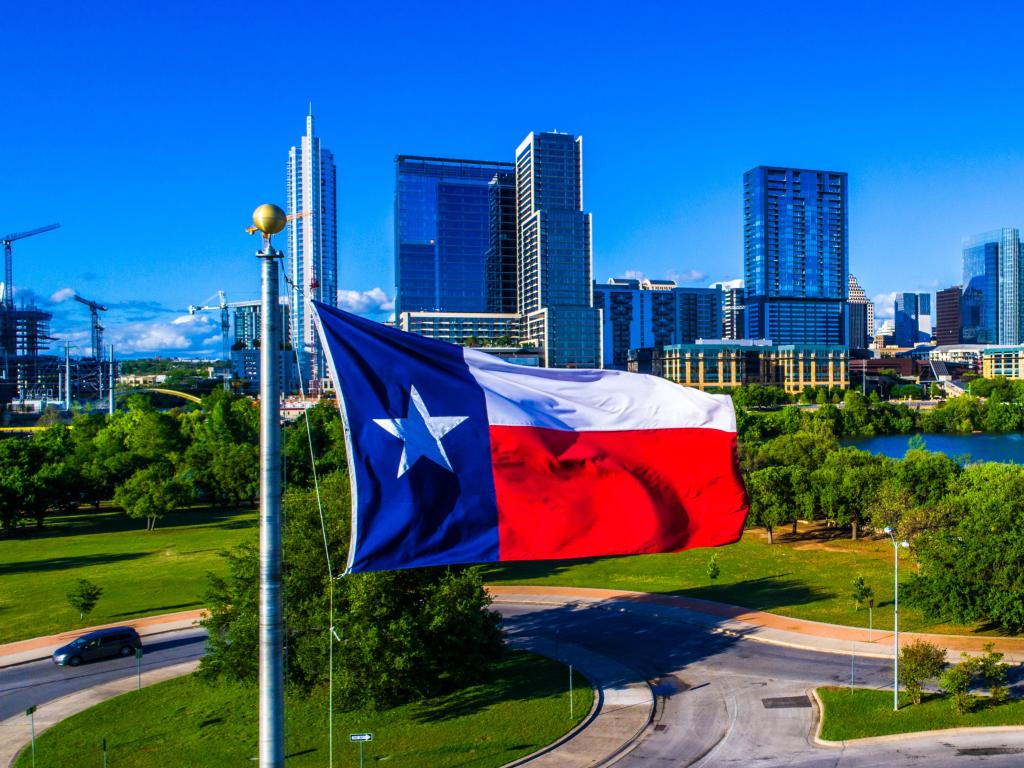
331, 635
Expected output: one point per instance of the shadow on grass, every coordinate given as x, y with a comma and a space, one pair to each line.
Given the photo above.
158, 608
67, 563
88, 520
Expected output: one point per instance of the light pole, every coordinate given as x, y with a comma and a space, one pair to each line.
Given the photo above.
269, 219
896, 617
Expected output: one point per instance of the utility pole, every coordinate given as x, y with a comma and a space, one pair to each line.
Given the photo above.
67, 376
269, 219
110, 383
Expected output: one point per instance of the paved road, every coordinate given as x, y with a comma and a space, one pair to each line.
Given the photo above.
40, 681
722, 701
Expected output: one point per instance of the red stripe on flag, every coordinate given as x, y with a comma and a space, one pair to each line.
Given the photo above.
565, 494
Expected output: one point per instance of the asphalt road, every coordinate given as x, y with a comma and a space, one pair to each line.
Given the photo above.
41, 681
721, 701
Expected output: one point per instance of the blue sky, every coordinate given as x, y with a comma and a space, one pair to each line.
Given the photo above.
151, 133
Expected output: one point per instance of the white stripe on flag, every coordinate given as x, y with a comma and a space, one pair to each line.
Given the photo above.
590, 400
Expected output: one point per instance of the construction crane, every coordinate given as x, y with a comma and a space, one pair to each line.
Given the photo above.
225, 325
9, 260
97, 330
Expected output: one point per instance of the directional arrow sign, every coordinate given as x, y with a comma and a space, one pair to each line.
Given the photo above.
361, 737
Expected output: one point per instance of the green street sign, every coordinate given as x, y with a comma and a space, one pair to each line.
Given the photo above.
138, 653
30, 710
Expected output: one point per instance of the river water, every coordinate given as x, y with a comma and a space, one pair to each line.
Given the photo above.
1007, 448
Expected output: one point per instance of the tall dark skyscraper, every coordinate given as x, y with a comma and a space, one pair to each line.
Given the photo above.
502, 275
947, 316
795, 255
443, 234
553, 238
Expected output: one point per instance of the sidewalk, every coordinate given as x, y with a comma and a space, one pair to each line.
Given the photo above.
24, 651
755, 625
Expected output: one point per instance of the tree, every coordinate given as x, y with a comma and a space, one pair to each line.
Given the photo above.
993, 673
919, 661
404, 634
861, 592
713, 570
972, 569
152, 493
956, 681
84, 596
770, 499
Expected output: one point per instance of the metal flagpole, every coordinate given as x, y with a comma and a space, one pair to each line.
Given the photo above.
270, 220
110, 383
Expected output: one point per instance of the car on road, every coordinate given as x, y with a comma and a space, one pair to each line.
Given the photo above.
101, 644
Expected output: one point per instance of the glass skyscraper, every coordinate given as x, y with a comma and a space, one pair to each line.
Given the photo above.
312, 247
911, 318
654, 313
990, 311
554, 251
795, 255
447, 258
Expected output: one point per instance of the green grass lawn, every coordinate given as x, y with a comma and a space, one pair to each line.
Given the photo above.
142, 573
808, 576
185, 722
859, 713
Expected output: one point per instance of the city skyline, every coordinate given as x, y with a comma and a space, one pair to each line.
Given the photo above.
663, 174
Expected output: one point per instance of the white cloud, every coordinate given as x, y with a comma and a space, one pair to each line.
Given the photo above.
64, 294
372, 301
885, 305
633, 274
687, 276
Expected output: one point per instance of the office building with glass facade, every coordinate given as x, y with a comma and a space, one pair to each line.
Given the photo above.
554, 260
653, 313
795, 255
312, 248
443, 234
982, 289
911, 318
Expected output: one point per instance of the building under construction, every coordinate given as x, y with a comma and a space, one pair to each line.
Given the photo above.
27, 372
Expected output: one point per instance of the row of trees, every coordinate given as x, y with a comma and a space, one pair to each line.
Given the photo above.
151, 462
965, 523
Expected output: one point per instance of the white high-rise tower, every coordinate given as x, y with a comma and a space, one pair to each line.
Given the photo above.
312, 247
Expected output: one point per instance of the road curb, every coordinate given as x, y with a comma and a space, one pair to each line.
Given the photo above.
611, 711
895, 737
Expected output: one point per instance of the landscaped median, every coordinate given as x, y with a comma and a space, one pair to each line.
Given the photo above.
523, 707
860, 713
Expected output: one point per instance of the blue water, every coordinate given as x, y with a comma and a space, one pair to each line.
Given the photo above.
1007, 448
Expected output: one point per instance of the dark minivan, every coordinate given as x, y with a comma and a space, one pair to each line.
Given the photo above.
101, 644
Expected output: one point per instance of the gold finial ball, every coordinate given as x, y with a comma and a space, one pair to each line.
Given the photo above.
269, 219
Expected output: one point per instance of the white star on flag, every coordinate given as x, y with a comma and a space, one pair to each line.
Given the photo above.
421, 434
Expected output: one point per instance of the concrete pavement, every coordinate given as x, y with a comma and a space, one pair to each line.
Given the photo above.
757, 625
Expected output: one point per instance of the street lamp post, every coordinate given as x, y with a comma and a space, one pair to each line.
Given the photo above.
269, 219
896, 617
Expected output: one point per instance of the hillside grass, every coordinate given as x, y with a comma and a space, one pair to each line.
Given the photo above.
807, 576
142, 573
524, 707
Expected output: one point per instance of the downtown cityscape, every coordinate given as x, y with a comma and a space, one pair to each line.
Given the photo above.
635, 386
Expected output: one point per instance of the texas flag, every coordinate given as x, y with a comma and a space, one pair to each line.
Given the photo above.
456, 456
